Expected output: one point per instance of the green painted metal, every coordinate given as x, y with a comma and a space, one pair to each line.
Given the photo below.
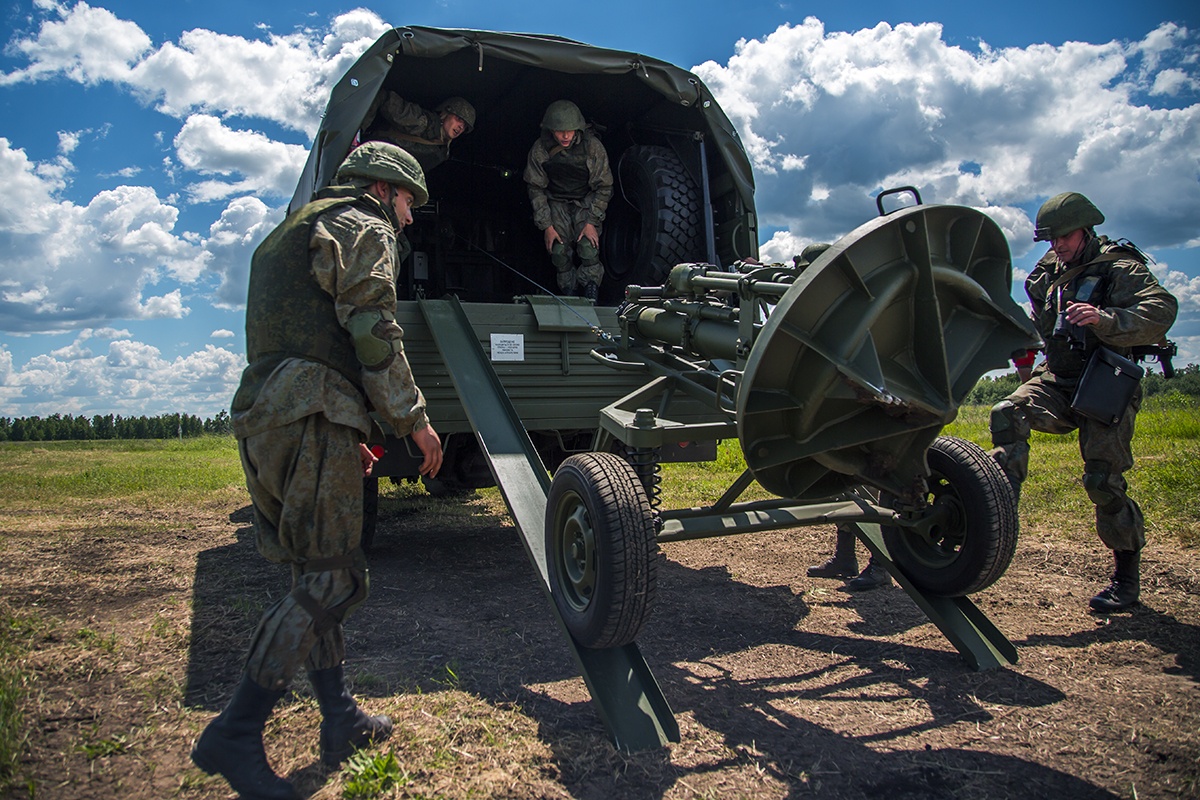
873, 349
628, 698
978, 641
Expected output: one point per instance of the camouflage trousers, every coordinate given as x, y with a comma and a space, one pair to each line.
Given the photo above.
1044, 404
305, 480
568, 218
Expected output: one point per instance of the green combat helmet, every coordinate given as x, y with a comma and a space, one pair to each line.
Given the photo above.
461, 109
1064, 213
384, 161
563, 115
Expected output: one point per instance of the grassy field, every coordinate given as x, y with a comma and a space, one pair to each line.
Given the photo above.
145, 481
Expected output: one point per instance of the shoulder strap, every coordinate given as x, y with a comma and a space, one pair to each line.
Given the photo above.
1071, 274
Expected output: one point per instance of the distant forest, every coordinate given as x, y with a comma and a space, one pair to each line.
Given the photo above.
59, 427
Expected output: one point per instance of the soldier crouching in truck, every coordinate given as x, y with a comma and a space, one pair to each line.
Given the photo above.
426, 134
570, 184
1088, 293
323, 347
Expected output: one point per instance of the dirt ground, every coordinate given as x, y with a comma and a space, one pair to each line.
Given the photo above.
783, 686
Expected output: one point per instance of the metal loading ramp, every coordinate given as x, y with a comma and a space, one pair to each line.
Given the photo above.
628, 698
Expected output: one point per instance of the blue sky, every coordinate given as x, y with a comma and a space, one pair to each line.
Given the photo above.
147, 147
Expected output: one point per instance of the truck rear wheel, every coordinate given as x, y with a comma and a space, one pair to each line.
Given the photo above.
655, 221
973, 542
601, 550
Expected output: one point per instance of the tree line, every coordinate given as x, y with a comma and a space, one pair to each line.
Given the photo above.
60, 427
990, 391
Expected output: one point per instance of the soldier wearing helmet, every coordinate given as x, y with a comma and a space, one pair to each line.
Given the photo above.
1086, 292
323, 349
570, 184
426, 134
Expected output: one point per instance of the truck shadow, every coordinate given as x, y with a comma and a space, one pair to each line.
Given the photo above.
469, 601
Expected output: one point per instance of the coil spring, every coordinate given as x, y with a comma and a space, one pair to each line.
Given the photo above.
647, 464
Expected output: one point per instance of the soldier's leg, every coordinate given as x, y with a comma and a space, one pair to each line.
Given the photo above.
1035, 405
591, 271
562, 255
1107, 452
320, 525
844, 562
305, 482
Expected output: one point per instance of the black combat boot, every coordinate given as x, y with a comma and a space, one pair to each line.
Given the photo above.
344, 726
1126, 583
843, 563
874, 576
591, 291
232, 745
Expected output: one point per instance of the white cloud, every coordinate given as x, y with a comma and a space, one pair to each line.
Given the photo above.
65, 266
244, 223
131, 378
222, 333
856, 112
282, 78
206, 145
86, 44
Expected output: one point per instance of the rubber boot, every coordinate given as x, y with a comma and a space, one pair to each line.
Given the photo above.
1126, 583
843, 563
344, 726
232, 745
874, 576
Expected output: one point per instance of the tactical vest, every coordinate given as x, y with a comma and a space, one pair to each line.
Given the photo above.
1092, 279
567, 170
288, 315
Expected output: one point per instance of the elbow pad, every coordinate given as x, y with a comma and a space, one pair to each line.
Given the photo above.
377, 337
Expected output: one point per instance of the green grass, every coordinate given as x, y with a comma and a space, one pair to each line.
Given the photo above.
1165, 479
37, 475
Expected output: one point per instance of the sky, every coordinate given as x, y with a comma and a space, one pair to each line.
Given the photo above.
147, 147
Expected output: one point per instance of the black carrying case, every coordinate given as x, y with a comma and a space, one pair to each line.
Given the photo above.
1106, 387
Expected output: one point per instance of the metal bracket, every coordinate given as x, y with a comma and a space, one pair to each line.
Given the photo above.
978, 641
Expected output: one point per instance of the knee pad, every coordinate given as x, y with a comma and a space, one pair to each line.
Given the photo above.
377, 337
1095, 483
1008, 424
589, 255
560, 256
326, 619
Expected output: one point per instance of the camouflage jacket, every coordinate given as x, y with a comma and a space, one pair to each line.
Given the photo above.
407, 125
1134, 308
577, 174
353, 258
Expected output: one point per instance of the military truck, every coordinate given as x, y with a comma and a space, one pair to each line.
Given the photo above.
836, 376
683, 192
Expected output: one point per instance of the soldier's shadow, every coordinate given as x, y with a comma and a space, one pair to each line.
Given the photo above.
232, 587
1142, 624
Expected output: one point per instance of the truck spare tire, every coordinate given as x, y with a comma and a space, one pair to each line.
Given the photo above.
655, 221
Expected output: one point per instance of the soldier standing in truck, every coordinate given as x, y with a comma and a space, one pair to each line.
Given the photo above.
570, 184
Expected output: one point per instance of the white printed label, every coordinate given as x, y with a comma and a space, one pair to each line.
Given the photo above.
508, 347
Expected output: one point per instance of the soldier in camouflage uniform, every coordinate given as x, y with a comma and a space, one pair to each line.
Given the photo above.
1104, 291
323, 348
570, 184
426, 134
